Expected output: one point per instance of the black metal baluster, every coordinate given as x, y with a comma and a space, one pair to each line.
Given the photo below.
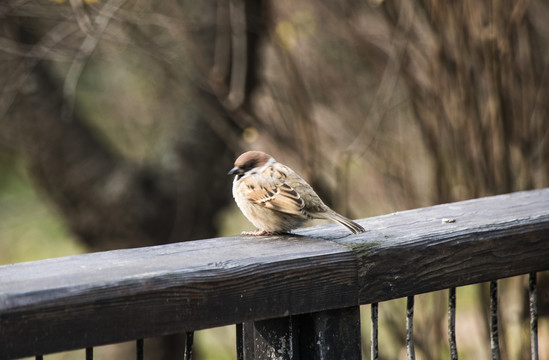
139, 349
533, 316
239, 342
89, 353
410, 328
39, 357
374, 333
452, 323
494, 342
189, 345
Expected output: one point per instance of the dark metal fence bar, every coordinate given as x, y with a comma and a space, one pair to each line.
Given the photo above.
189, 340
410, 351
139, 349
452, 323
239, 342
39, 357
494, 341
373, 333
533, 316
89, 353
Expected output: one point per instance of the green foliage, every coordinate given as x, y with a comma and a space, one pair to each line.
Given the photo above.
30, 229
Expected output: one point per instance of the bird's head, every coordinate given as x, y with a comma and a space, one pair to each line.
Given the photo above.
249, 161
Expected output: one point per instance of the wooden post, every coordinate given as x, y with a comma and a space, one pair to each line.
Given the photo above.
330, 335
324, 335
274, 339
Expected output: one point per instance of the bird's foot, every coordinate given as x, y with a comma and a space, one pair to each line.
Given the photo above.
258, 232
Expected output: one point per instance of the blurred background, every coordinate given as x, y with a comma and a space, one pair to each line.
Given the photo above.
120, 119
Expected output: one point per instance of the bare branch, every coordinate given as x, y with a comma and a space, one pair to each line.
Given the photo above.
82, 18
86, 49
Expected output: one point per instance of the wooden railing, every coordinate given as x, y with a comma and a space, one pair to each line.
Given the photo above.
294, 294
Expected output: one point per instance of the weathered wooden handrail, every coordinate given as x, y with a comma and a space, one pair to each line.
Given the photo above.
93, 299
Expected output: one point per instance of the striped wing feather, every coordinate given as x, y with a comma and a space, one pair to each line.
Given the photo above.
280, 197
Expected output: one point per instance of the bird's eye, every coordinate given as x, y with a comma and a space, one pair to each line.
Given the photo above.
248, 167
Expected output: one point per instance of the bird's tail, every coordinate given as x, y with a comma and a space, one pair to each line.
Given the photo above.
349, 224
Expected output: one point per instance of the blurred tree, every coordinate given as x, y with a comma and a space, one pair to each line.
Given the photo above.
477, 80
107, 199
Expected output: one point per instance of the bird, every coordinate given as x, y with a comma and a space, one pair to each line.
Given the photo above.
275, 199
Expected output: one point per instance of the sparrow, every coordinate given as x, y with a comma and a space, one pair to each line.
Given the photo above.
275, 198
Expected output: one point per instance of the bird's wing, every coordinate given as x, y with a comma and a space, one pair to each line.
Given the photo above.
272, 191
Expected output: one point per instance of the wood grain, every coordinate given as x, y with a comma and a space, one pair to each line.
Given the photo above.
93, 299
413, 252
88, 300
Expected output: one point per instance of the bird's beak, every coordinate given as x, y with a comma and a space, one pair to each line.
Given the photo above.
235, 170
